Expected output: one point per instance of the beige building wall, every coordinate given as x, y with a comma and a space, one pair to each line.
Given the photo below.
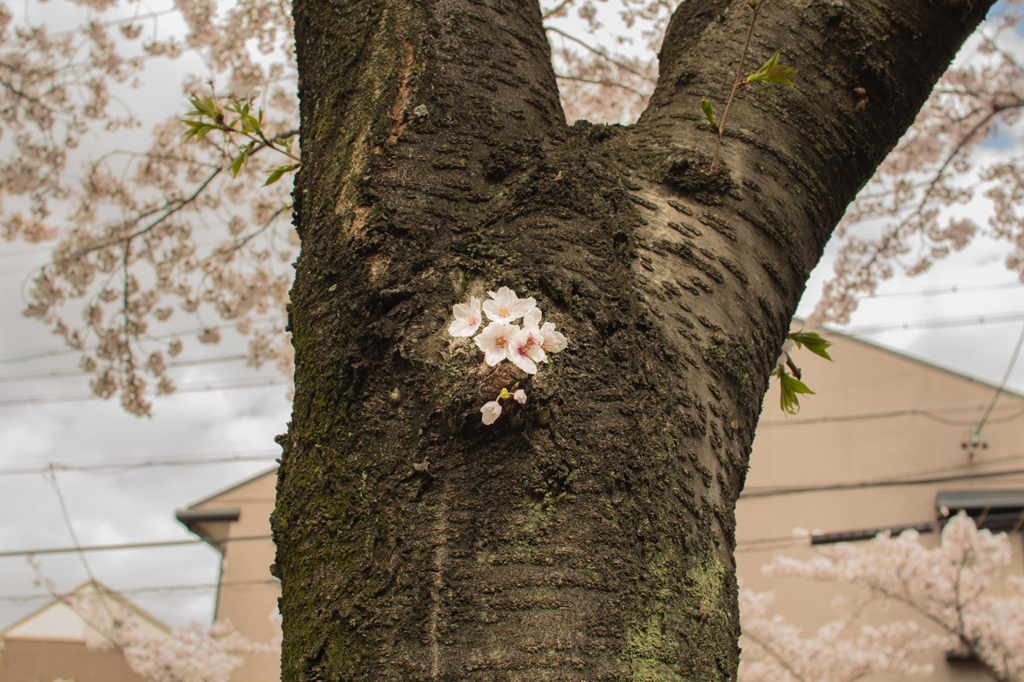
247, 593
64, 640
876, 416
48, 660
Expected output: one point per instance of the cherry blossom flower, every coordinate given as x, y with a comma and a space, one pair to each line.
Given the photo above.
525, 350
551, 341
506, 306
491, 411
494, 340
520, 396
467, 318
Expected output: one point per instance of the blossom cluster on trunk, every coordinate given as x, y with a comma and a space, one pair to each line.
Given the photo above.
503, 339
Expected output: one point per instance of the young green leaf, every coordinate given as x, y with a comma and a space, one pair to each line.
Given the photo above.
197, 129
278, 172
790, 387
772, 72
239, 161
709, 113
813, 341
204, 106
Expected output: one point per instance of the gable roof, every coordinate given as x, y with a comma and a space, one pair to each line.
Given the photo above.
80, 616
912, 358
234, 486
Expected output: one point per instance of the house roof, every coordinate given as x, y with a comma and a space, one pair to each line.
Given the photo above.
910, 357
58, 620
234, 486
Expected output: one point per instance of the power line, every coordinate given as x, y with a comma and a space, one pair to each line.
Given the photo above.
110, 467
64, 374
913, 475
1002, 384
187, 388
937, 323
68, 351
941, 291
52, 480
130, 545
929, 413
885, 483
196, 587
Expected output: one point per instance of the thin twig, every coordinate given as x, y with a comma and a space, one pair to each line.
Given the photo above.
736, 86
601, 53
168, 209
612, 84
776, 655
220, 254
558, 8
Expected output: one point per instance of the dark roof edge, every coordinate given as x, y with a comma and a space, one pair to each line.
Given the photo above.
869, 533
190, 516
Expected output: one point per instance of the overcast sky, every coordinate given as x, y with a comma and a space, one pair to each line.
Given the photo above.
138, 506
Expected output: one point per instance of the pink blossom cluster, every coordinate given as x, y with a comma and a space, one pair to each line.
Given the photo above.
914, 211
503, 339
191, 653
774, 650
951, 586
128, 255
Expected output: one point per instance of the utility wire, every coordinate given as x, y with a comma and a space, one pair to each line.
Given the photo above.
942, 291
122, 466
746, 495
129, 545
886, 483
68, 351
51, 478
1002, 384
198, 387
927, 412
937, 323
237, 584
960, 468
64, 374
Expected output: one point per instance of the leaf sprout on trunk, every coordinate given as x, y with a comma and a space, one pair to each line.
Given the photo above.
770, 72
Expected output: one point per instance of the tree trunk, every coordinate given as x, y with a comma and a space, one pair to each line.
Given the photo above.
588, 535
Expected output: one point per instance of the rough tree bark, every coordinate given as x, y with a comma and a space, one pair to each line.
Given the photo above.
590, 535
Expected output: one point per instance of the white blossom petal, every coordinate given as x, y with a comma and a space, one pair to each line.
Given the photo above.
491, 411
520, 396
505, 306
520, 349
494, 341
532, 319
467, 318
553, 342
